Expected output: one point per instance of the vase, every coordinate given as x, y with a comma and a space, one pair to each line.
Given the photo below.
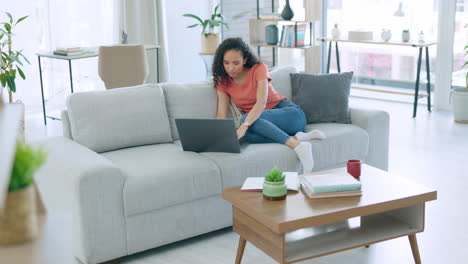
386, 35
19, 219
287, 13
405, 36
336, 32
209, 43
271, 34
274, 190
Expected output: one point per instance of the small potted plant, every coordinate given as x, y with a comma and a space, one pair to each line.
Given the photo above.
274, 186
210, 39
19, 221
405, 35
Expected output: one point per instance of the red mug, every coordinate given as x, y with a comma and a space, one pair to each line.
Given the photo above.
354, 168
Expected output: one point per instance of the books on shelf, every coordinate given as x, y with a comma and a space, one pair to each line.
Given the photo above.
256, 183
331, 182
292, 38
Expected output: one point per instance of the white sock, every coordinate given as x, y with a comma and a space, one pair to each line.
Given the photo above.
314, 134
304, 152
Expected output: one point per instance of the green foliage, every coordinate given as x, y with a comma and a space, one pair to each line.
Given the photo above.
275, 175
27, 161
10, 60
215, 20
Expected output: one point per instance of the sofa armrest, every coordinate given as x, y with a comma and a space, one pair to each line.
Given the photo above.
377, 124
92, 188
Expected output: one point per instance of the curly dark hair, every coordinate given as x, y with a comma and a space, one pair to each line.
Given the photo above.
220, 75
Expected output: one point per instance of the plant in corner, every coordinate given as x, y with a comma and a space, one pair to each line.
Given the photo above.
274, 186
210, 39
18, 222
465, 65
10, 60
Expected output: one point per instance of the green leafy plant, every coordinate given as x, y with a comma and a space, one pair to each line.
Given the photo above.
275, 175
10, 60
208, 25
27, 161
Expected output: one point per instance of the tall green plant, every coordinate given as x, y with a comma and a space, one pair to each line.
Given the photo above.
215, 20
27, 161
10, 60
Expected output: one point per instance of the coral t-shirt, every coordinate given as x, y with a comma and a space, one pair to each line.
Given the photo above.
245, 95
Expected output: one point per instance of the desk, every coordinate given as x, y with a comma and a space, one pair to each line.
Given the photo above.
93, 52
420, 46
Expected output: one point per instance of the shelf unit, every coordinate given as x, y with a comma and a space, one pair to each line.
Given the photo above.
312, 15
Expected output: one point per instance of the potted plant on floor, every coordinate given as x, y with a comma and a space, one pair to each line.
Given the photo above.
209, 38
11, 62
460, 96
19, 219
274, 186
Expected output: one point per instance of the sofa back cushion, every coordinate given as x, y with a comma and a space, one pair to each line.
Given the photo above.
281, 80
119, 118
189, 100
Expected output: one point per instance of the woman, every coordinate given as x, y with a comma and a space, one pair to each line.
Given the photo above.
269, 117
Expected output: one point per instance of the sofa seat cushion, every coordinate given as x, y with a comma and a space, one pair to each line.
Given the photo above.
343, 142
164, 175
255, 160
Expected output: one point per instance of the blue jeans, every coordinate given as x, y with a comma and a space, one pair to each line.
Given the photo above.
276, 125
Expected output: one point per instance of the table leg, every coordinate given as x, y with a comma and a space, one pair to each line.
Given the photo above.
416, 88
428, 74
414, 248
42, 90
337, 57
157, 65
329, 56
240, 250
71, 75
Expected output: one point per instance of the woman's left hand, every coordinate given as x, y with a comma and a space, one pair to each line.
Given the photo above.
241, 131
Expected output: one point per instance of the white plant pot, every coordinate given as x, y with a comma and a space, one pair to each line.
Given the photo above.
210, 43
460, 105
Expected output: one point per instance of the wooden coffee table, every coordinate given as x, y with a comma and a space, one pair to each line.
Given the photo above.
298, 228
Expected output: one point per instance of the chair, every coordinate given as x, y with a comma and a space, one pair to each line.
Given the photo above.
122, 65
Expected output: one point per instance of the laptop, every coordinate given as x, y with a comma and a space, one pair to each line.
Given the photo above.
208, 135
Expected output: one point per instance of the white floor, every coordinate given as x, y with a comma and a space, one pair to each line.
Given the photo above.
430, 149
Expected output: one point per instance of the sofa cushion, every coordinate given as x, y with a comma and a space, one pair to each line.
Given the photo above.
323, 97
255, 160
343, 142
119, 118
164, 175
189, 100
281, 80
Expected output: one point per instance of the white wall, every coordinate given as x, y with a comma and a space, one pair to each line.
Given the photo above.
184, 44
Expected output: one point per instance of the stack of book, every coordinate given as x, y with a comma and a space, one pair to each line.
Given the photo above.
289, 36
330, 185
63, 51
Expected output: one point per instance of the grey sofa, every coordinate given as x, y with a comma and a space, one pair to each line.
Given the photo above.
131, 187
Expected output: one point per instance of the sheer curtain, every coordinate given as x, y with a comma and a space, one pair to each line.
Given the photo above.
144, 22
83, 23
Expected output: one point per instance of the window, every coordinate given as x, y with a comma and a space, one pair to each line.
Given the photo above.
383, 65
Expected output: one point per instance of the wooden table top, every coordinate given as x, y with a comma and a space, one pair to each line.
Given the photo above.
381, 191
